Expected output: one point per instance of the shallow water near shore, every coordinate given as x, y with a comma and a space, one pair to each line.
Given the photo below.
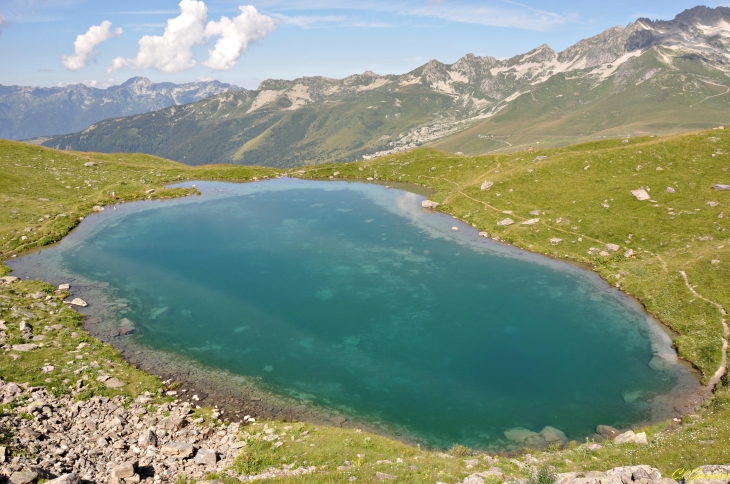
352, 297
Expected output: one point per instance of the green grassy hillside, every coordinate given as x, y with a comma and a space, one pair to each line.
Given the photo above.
229, 128
645, 96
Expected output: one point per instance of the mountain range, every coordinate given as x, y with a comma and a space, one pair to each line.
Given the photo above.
28, 112
648, 77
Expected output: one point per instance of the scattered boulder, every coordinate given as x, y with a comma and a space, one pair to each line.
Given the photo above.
89, 163
629, 253
150, 191
124, 471
722, 187
612, 247
114, 383
98, 208
486, 185
555, 241
713, 474
25, 347
382, 476
429, 204
671, 190
9, 279
506, 222
483, 234
147, 438
531, 221
629, 437
64, 287
26, 476
206, 457
179, 449
641, 194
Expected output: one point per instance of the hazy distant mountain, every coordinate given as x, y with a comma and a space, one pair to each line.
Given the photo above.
27, 112
651, 76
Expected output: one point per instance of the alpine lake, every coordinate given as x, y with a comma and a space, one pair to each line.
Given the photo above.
351, 298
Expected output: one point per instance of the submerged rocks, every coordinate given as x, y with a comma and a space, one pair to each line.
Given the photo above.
607, 432
551, 434
522, 436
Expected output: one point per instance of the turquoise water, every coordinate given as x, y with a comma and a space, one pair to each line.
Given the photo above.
353, 297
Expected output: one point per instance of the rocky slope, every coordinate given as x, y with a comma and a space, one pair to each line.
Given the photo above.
655, 70
28, 112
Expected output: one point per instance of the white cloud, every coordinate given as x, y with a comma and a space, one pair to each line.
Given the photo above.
173, 50
235, 35
3, 23
85, 44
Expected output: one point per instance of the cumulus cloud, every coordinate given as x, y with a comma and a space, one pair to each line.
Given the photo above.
173, 50
85, 44
3, 23
235, 35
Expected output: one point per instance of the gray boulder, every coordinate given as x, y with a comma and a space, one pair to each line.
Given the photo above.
722, 187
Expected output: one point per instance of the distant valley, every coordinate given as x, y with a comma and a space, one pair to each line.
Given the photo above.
29, 112
651, 77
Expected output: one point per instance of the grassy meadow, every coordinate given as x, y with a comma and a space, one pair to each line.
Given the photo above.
580, 194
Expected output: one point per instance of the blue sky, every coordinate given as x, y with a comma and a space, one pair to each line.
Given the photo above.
284, 38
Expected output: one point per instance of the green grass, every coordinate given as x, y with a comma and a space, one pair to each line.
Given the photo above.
569, 198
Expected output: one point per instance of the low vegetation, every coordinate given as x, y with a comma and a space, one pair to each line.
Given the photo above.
582, 196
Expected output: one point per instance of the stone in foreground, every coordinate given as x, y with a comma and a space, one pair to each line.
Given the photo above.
179, 449
23, 477
123, 471
206, 457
